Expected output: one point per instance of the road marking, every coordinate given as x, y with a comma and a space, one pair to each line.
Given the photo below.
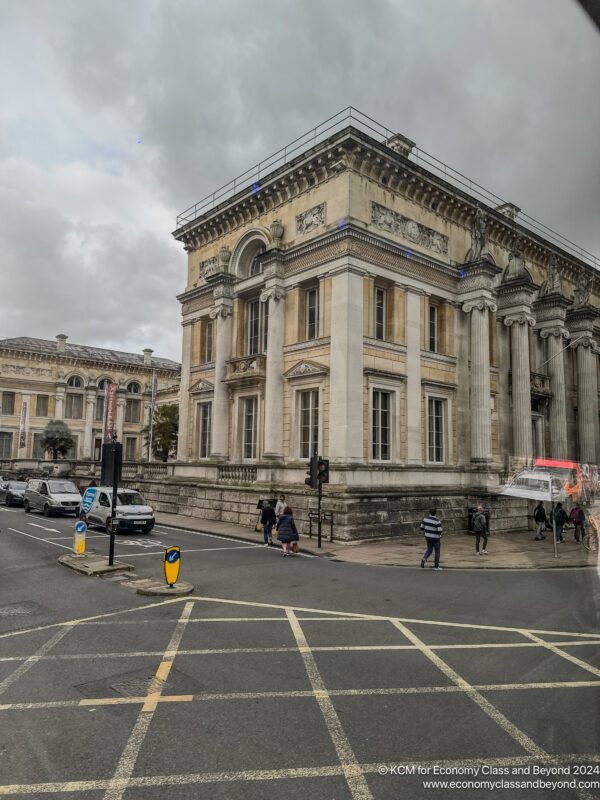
39, 538
126, 764
352, 772
35, 525
484, 704
195, 550
87, 536
11, 510
573, 659
33, 659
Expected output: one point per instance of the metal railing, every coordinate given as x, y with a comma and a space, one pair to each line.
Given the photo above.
350, 116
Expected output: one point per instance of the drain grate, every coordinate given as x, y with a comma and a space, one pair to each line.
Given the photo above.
137, 683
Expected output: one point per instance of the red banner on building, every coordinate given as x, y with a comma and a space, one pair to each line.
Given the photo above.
23, 425
110, 412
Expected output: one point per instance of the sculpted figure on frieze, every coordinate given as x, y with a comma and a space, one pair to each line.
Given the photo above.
552, 283
581, 296
517, 268
479, 239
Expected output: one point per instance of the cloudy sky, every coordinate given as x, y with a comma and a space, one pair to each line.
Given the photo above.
117, 114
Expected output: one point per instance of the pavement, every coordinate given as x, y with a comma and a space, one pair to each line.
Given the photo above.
505, 551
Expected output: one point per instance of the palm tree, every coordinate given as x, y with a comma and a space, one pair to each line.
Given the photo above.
165, 427
57, 438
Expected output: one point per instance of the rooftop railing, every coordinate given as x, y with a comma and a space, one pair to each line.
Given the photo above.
350, 116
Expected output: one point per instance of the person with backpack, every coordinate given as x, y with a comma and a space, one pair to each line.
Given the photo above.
560, 518
267, 519
539, 516
432, 528
577, 517
480, 526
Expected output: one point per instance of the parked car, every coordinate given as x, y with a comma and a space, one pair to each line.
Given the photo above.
52, 496
132, 511
12, 492
537, 485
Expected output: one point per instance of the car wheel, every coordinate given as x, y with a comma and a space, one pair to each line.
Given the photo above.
46, 510
26, 508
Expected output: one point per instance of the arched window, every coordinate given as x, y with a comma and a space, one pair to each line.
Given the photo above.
103, 384
133, 388
74, 400
255, 265
75, 382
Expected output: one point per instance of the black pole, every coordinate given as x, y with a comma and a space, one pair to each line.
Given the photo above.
320, 516
113, 513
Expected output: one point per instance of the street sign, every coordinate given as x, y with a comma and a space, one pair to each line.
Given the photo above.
79, 538
171, 563
88, 499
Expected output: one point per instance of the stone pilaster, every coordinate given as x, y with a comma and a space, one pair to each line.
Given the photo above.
222, 313
90, 405
121, 400
581, 326
59, 407
274, 295
346, 371
550, 311
521, 384
184, 397
414, 422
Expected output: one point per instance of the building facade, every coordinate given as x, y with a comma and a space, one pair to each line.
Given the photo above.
42, 380
355, 304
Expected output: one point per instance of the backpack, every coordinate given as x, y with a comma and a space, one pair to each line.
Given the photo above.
561, 516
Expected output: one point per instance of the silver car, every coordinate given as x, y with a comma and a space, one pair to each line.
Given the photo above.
12, 492
52, 496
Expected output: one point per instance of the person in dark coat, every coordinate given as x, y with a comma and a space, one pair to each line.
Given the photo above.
480, 527
559, 516
286, 530
577, 517
539, 516
267, 519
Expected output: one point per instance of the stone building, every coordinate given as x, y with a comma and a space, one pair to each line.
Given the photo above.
357, 300
43, 380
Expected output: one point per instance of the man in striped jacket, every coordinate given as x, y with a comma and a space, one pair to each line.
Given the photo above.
432, 528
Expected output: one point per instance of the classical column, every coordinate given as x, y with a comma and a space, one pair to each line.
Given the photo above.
90, 404
414, 421
346, 369
60, 400
481, 429
521, 384
184, 397
556, 337
121, 400
587, 399
274, 295
222, 313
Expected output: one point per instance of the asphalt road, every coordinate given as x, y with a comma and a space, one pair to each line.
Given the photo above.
296, 677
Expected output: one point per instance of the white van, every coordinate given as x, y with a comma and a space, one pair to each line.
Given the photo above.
52, 496
132, 512
537, 485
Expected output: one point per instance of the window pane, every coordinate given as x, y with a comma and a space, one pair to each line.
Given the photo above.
208, 352
380, 313
8, 402
99, 409
72, 454
130, 449
74, 406
5, 444
309, 423
205, 421
381, 426
250, 428
265, 325
312, 313
41, 406
38, 451
253, 327
436, 430
433, 329
132, 411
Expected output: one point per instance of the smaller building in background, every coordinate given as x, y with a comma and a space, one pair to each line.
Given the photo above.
43, 380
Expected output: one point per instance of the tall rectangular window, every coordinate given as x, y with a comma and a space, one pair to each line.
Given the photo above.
433, 329
38, 450
436, 430
253, 327
249, 448
130, 448
205, 422
380, 301
72, 454
309, 423
208, 342
5, 444
381, 425
265, 325
8, 403
311, 299
74, 406
41, 405
132, 410
99, 409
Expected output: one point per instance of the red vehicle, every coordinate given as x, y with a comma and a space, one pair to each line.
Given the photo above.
581, 481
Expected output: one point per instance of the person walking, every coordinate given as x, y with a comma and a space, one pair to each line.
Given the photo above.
267, 519
480, 526
577, 517
559, 516
432, 528
279, 506
539, 516
287, 533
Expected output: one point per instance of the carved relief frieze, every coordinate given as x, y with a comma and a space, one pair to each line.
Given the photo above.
201, 387
310, 220
415, 232
26, 372
304, 368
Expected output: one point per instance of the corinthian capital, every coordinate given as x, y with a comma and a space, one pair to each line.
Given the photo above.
274, 293
557, 330
481, 304
519, 319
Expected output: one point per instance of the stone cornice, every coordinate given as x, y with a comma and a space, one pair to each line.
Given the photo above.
384, 374
78, 361
310, 344
382, 344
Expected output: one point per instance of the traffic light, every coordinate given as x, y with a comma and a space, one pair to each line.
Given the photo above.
323, 470
311, 472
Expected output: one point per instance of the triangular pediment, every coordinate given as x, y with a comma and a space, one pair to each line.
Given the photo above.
201, 387
303, 368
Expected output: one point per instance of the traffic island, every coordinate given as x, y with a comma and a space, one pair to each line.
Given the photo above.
92, 564
154, 587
